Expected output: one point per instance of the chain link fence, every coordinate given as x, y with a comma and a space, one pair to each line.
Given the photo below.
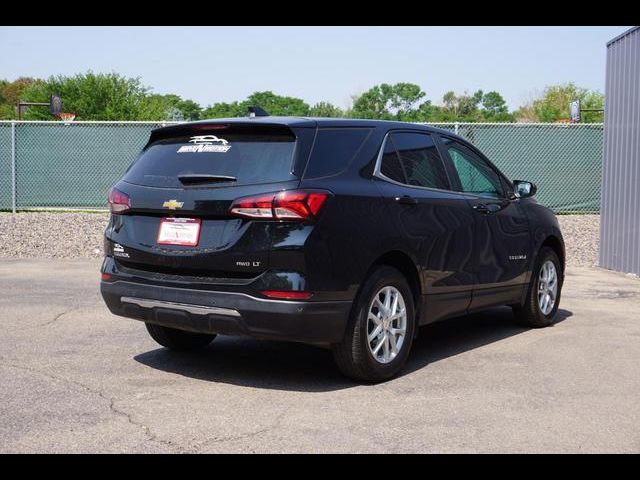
564, 160
73, 165
5, 165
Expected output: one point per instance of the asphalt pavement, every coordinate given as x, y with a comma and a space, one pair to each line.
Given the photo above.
74, 378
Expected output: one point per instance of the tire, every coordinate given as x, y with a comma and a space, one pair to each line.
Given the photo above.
531, 313
178, 340
354, 355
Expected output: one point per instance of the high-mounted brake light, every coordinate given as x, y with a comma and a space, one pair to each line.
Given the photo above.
294, 205
208, 126
118, 202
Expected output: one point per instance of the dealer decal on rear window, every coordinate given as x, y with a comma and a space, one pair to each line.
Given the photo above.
205, 144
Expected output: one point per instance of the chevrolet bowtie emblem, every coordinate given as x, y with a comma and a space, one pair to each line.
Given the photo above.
172, 204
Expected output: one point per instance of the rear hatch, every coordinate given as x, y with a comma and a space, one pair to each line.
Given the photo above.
191, 174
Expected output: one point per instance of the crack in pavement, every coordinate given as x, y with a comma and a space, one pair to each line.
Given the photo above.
110, 400
59, 316
230, 438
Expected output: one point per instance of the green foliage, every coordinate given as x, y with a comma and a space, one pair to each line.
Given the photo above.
190, 110
462, 108
7, 112
490, 107
277, 105
114, 97
389, 102
553, 104
98, 97
224, 110
11, 93
92, 97
494, 104
3, 86
404, 102
270, 102
169, 107
325, 109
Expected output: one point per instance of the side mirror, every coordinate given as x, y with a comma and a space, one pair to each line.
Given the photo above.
524, 189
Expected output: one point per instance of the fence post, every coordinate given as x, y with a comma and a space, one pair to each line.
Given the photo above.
13, 167
455, 128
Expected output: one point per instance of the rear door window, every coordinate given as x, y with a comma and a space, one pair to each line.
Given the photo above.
333, 150
413, 159
223, 158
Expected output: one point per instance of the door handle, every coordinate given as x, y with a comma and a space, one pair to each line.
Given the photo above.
487, 208
406, 200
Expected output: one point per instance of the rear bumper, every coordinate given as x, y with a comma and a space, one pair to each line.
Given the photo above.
228, 313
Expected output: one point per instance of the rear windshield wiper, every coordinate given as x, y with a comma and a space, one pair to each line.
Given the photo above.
204, 178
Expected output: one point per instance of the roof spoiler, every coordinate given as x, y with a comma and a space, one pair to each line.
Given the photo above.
217, 128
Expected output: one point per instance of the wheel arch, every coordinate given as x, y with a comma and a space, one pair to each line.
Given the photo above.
557, 246
405, 264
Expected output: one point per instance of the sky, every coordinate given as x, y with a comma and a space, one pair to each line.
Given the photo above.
222, 64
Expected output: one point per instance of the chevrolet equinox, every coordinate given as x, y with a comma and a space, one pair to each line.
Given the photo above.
348, 234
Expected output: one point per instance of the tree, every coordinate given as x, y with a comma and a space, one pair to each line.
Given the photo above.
187, 109
270, 102
478, 107
494, 108
450, 102
170, 107
11, 93
155, 107
404, 98
276, 104
6, 110
493, 103
461, 108
224, 110
389, 102
553, 104
325, 109
114, 97
370, 104
93, 97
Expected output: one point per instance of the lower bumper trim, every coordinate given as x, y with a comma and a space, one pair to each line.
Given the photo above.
195, 309
228, 313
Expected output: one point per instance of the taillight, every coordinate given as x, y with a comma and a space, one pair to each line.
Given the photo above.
253, 207
287, 205
118, 202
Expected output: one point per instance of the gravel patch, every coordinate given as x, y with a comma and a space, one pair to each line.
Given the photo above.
582, 238
79, 235
52, 235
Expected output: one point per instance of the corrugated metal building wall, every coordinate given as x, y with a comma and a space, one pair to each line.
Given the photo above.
620, 204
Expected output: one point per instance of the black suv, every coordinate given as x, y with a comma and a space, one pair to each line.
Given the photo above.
344, 233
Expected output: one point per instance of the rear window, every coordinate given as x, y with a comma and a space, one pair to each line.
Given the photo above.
333, 150
215, 159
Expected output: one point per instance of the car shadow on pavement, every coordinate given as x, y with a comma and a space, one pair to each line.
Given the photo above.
305, 368
451, 337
